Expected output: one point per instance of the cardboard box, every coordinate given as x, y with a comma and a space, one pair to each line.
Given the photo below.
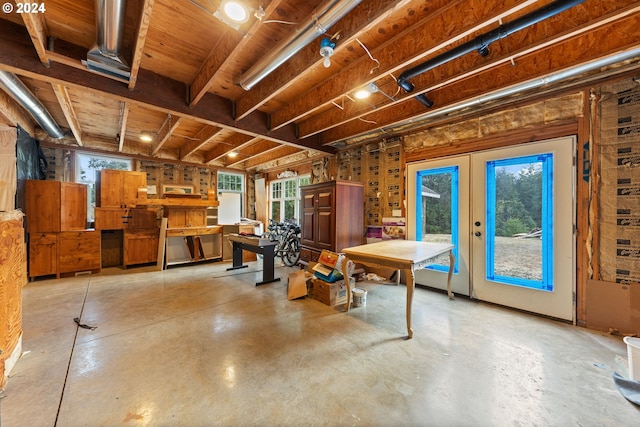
331, 293
613, 306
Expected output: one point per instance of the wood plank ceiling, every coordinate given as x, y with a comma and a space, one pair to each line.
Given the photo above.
186, 65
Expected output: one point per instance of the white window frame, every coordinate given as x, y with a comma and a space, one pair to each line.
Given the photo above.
283, 197
222, 188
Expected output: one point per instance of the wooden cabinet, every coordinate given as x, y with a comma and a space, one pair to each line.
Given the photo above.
140, 246
180, 217
125, 218
54, 206
332, 217
117, 188
64, 252
79, 251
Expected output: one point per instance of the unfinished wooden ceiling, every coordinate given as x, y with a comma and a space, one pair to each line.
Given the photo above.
190, 84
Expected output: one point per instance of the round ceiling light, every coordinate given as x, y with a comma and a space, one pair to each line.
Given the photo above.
236, 11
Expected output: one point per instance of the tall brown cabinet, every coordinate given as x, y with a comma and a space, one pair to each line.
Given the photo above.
59, 242
332, 217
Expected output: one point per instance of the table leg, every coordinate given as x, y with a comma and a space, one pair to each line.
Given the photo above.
411, 284
452, 262
268, 268
345, 274
237, 257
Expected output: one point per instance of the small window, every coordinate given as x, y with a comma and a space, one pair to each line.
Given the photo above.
285, 198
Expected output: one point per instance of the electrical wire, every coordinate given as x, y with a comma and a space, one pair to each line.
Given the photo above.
370, 56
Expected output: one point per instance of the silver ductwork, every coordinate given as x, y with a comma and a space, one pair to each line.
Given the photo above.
23, 96
105, 57
316, 24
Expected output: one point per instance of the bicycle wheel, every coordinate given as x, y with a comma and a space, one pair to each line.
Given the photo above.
291, 254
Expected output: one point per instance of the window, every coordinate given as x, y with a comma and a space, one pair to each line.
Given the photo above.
285, 198
87, 166
231, 197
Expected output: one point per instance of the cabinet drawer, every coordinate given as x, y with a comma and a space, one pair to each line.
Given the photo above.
308, 255
78, 251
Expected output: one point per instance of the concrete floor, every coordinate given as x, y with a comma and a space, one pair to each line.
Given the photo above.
200, 346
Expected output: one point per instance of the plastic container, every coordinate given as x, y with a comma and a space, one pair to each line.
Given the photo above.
360, 298
633, 352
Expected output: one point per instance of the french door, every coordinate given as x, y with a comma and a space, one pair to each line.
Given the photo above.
510, 214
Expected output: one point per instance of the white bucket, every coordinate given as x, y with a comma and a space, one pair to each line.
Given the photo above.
360, 297
633, 353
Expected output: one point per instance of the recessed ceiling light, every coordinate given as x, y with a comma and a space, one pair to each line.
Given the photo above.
146, 137
236, 11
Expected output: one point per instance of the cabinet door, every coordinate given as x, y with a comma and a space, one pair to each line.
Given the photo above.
110, 218
73, 206
131, 182
324, 199
142, 218
140, 247
325, 230
43, 253
43, 206
109, 188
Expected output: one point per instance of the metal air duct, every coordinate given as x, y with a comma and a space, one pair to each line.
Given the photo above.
482, 42
318, 22
21, 93
105, 56
519, 88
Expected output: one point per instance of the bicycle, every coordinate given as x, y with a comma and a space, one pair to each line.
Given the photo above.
286, 235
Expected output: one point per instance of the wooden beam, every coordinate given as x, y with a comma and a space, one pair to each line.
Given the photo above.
230, 144
37, 28
67, 109
605, 42
258, 149
16, 114
226, 51
364, 17
124, 116
143, 27
152, 91
440, 30
203, 137
507, 51
169, 126
278, 153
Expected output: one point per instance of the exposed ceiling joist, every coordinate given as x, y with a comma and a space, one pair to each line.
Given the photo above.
69, 112
37, 27
143, 28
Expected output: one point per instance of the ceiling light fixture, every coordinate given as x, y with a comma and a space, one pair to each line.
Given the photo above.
326, 50
365, 91
146, 137
236, 11
233, 154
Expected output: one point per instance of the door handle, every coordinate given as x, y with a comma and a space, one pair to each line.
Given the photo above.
477, 234
477, 223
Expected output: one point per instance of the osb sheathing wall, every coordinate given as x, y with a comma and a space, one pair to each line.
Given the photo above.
13, 276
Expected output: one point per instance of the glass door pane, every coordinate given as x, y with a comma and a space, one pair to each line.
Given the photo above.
520, 221
437, 210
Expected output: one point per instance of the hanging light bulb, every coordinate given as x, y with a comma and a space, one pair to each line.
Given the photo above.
326, 50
